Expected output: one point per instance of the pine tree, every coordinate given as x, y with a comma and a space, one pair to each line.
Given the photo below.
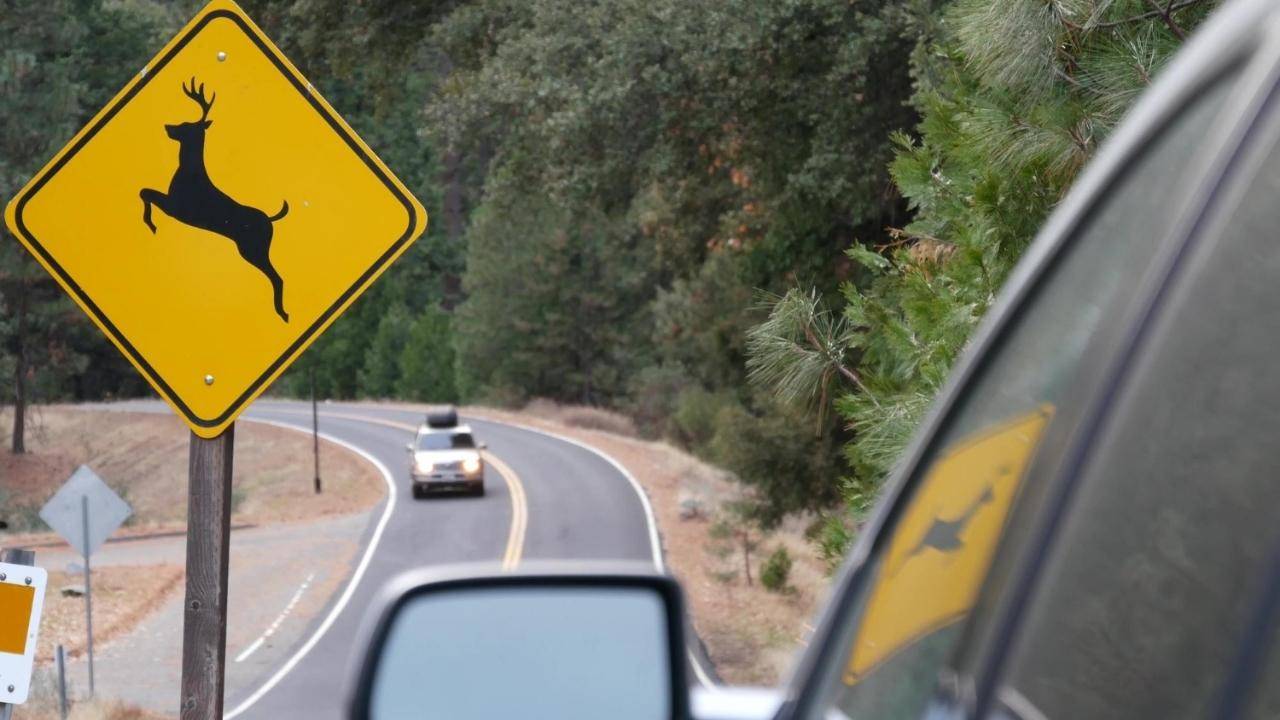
427, 361
39, 107
1014, 99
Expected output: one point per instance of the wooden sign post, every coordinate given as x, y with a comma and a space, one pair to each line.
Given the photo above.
204, 627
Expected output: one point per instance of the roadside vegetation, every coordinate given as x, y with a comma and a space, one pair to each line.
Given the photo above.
762, 231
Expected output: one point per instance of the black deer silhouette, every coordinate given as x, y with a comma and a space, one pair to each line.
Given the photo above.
194, 200
944, 535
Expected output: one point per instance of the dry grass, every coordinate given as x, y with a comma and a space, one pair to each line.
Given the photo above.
751, 634
42, 704
143, 456
122, 597
578, 416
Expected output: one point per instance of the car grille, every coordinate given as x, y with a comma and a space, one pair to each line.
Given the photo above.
456, 465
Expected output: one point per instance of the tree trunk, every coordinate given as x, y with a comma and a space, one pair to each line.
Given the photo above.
746, 556
20, 375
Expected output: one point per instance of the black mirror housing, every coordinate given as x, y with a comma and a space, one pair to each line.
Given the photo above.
384, 632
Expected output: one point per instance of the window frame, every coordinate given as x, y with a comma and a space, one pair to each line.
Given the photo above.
1232, 40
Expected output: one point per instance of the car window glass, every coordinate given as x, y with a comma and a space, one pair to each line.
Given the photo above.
1147, 593
928, 568
445, 441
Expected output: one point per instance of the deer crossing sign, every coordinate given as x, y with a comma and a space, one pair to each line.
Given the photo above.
215, 217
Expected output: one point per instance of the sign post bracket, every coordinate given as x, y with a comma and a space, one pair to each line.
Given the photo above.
204, 628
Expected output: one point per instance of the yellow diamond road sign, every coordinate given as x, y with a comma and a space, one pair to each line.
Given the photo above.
215, 217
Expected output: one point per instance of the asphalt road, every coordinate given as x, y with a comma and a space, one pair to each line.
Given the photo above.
569, 503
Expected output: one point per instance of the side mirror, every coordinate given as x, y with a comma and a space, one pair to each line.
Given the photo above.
483, 446
408, 447
555, 643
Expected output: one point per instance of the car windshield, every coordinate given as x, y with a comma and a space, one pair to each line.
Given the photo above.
445, 441
706, 273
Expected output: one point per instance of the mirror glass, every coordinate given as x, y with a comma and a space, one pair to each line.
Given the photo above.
535, 651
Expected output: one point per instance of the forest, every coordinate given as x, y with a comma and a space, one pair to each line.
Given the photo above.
762, 229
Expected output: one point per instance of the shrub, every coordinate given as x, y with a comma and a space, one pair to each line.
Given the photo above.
652, 395
780, 455
775, 570
695, 421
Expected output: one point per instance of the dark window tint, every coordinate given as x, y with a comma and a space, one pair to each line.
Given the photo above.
445, 441
1150, 586
924, 580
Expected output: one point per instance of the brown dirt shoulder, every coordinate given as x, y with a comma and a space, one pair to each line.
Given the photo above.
143, 456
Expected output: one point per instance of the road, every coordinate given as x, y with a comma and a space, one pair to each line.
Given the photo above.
547, 498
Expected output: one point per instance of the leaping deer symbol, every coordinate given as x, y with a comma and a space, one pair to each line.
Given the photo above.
944, 535
194, 200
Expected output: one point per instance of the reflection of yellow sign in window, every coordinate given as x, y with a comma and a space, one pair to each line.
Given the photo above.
16, 602
215, 217
942, 546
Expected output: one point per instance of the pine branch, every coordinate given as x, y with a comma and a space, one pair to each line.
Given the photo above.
851, 375
1166, 13
1178, 32
799, 350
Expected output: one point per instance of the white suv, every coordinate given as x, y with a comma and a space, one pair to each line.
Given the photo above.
446, 458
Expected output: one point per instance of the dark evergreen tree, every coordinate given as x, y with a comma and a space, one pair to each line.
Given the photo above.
1014, 98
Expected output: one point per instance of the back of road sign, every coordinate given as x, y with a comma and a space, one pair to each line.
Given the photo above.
64, 512
21, 600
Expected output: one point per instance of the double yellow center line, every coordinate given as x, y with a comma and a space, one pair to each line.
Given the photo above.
519, 501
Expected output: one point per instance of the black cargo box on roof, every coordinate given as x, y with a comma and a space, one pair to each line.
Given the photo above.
442, 417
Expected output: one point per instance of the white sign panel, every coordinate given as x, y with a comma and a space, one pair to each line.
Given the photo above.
65, 514
21, 600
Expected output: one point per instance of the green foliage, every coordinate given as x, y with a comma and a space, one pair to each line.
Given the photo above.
1014, 98
781, 455
776, 570
799, 349
696, 417
381, 370
427, 360
700, 323
652, 396
554, 303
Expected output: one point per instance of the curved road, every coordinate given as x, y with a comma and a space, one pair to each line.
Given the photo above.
569, 503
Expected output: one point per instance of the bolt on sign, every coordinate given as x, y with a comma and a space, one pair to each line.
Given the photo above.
215, 217
21, 599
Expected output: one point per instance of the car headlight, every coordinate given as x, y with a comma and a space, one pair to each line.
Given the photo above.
471, 465
424, 466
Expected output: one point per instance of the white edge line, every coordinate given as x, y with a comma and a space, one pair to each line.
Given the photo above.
275, 624
351, 584
655, 543
250, 650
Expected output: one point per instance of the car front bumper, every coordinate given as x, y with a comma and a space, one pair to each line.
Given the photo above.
447, 479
